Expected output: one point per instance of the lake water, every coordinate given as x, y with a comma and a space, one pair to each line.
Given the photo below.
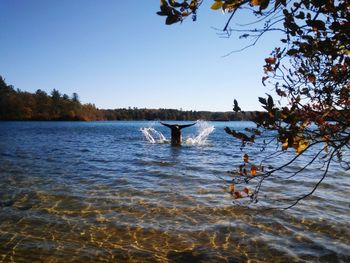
102, 192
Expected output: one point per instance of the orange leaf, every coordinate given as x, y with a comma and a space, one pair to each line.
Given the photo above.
253, 170
256, 2
270, 60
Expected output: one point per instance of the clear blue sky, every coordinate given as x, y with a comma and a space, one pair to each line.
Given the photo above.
120, 53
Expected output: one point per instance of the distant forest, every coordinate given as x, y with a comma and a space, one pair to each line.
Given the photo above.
40, 106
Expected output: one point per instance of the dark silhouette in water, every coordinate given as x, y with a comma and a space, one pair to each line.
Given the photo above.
176, 132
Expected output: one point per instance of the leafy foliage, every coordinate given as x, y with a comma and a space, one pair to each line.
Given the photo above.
309, 72
19, 105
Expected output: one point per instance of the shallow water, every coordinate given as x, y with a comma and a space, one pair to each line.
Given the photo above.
100, 192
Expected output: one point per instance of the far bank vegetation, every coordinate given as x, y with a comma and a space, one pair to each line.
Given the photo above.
40, 106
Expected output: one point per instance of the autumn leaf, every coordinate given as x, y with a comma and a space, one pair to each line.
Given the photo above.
253, 170
256, 132
246, 190
231, 188
238, 195
246, 158
174, 3
326, 147
281, 92
239, 135
264, 79
256, 2
262, 101
216, 5
316, 24
311, 78
292, 52
262, 3
270, 60
270, 102
171, 19
300, 144
301, 15
193, 5
236, 108
285, 145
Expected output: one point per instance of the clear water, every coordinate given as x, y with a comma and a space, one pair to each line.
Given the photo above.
102, 192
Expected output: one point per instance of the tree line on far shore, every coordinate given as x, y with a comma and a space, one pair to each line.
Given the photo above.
40, 106
22, 105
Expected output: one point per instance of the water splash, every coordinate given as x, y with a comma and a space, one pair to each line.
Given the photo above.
153, 136
204, 129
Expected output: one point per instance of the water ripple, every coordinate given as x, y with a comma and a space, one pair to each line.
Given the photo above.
98, 192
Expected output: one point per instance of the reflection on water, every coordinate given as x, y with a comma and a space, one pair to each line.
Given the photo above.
99, 192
